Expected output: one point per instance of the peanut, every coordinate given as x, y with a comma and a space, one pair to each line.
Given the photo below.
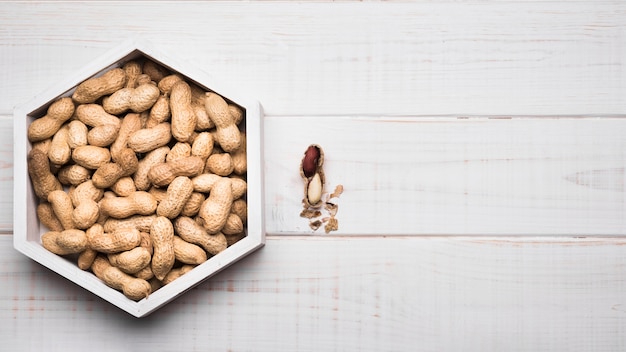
73, 174
109, 173
145, 273
162, 236
178, 192
45, 127
203, 121
202, 145
72, 240
227, 134
240, 208
43, 146
86, 211
132, 287
144, 79
192, 206
62, 207
130, 261
236, 112
103, 135
239, 157
192, 232
65, 242
205, 182
124, 187
86, 258
188, 253
179, 150
93, 88
138, 203
130, 123
127, 159
153, 158
155, 71
60, 152
144, 117
137, 99
77, 134
42, 179
148, 139
93, 115
183, 115
239, 187
220, 164
119, 240
314, 190
176, 273
86, 214
102, 219
311, 170
198, 94
215, 209
84, 192
139, 222
160, 112
166, 83
233, 225
146, 242
164, 173
46, 215
158, 194
98, 265
91, 157
118, 102
132, 70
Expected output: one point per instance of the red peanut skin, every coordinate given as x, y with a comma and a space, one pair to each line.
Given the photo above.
309, 163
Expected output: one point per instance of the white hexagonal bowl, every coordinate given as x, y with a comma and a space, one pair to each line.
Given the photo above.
27, 229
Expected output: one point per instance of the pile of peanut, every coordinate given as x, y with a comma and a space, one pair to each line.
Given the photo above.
140, 176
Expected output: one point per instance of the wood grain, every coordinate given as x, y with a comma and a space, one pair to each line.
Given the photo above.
385, 88
470, 57
6, 175
323, 294
454, 176
446, 176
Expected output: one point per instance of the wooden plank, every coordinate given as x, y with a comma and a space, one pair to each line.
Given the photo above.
320, 69
450, 176
528, 58
476, 176
346, 294
6, 175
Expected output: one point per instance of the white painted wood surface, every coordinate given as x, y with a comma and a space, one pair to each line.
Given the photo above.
385, 89
324, 294
451, 176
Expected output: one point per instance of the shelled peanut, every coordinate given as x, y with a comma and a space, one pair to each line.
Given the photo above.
312, 173
311, 170
140, 176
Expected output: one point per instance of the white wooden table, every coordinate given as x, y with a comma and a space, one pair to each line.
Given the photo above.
481, 145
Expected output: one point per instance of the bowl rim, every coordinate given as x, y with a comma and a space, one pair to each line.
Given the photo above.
23, 194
